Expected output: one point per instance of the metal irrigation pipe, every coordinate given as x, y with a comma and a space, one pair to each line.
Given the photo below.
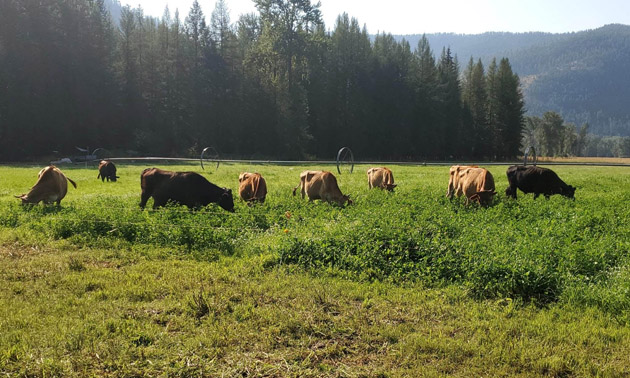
329, 162
347, 151
534, 158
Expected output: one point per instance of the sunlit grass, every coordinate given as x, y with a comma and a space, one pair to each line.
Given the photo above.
399, 284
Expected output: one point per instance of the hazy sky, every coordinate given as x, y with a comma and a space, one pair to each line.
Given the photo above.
457, 16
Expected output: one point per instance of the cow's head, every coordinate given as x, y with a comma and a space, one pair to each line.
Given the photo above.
226, 201
390, 187
114, 177
484, 197
346, 199
569, 192
23, 198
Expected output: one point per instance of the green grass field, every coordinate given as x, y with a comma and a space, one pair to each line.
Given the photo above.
398, 284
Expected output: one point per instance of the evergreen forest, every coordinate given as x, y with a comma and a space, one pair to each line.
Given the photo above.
580, 75
277, 83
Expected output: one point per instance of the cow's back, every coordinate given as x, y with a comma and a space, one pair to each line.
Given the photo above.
51, 186
477, 184
455, 173
381, 177
537, 180
529, 179
107, 170
186, 188
252, 186
323, 185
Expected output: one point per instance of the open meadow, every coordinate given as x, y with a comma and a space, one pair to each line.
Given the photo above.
397, 284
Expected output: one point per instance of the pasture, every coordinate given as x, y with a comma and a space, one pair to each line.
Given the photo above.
398, 284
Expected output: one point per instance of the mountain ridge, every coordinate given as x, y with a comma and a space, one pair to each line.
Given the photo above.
580, 75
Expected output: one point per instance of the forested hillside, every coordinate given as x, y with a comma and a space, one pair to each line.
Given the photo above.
582, 76
278, 83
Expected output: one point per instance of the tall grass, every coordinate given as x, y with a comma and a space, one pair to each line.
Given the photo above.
538, 251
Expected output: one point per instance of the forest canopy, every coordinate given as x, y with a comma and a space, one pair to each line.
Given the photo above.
276, 83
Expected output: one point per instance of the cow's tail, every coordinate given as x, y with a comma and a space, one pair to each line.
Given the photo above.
72, 182
294, 189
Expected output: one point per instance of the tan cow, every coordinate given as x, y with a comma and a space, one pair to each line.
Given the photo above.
453, 180
304, 177
252, 187
381, 178
51, 186
477, 184
321, 185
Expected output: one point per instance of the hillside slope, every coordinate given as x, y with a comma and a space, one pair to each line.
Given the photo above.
583, 75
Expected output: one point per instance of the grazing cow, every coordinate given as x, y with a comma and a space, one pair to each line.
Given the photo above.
453, 180
51, 186
107, 170
321, 185
252, 187
477, 184
186, 188
381, 178
537, 180
304, 177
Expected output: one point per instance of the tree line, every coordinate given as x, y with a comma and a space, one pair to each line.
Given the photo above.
552, 136
275, 83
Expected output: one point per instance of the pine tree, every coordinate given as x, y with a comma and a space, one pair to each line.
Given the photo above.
280, 58
221, 29
512, 109
451, 136
426, 136
475, 98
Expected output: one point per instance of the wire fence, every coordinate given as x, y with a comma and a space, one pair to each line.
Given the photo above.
360, 162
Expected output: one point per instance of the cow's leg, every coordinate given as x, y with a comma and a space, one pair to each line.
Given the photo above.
144, 197
159, 201
536, 195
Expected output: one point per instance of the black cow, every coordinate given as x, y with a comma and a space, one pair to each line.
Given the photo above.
536, 180
186, 188
107, 170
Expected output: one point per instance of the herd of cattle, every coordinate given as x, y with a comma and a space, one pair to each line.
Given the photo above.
193, 190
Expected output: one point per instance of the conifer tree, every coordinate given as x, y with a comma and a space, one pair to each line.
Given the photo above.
451, 138
475, 97
511, 114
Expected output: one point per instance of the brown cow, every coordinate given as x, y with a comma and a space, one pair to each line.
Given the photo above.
252, 187
304, 177
322, 185
51, 186
107, 170
186, 188
381, 178
477, 184
453, 180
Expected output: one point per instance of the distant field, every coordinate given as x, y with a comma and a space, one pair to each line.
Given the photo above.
576, 159
398, 284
